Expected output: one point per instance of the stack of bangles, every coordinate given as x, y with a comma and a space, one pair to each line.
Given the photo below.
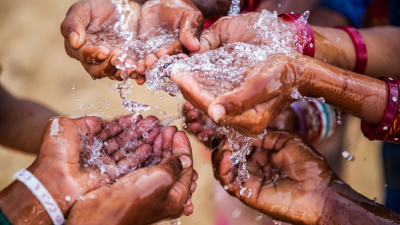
317, 121
389, 128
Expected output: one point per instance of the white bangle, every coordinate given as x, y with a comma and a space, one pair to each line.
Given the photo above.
41, 193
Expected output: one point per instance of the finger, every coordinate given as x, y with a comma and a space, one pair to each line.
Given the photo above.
250, 94
141, 67
210, 38
150, 60
73, 28
190, 28
105, 68
192, 91
192, 115
146, 125
134, 161
195, 127
88, 125
255, 120
188, 106
140, 80
126, 150
167, 139
114, 127
195, 175
91, 54
152, 135
181, 144
193, 187
110, 167
171, 49
188, 208
157, 150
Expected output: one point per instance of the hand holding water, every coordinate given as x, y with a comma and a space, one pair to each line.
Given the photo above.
144, 196
289, 179
85, 20
174, 15
268, 89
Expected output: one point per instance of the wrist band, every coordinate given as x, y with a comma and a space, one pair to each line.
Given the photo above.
361, 48
388, 129
41, 193
309, 47
4, 220
317, 121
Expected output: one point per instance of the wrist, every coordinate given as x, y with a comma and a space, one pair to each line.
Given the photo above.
343, 205
58, 184
20, 206
334, 47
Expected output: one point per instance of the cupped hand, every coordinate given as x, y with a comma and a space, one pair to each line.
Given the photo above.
85, 22
269, 88
208, 133
172, 15
230, 29
289, 179
147, 195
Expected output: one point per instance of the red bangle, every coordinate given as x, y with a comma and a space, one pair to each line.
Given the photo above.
309, 48
388, 129
361, 48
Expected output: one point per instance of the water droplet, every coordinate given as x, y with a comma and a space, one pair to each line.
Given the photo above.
78, 99
245, 192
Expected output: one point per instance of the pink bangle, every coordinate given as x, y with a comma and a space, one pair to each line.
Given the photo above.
387, 129
361, 48
309, 48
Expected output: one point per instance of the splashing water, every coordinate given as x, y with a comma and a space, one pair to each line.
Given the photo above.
224, 69
235, 8
131, 46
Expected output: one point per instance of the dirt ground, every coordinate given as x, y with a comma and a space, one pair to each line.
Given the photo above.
36, 67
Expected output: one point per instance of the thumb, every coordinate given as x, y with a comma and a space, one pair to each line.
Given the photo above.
190, 28
73, 28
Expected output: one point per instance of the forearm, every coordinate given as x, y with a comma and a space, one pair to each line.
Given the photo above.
20, 206
359, 95
346, 206
335, 47
22, 122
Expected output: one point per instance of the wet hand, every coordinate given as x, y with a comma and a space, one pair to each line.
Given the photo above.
147, 195
288, 178
268, 89
84, 22
230, 29
173, 15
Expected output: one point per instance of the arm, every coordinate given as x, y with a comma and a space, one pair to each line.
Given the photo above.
22, 122
334, 46
359, 95
342, 200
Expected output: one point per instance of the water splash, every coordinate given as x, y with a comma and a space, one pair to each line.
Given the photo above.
235, 8
224, 69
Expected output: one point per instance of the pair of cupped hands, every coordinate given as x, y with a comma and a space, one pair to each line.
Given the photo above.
126, 190
267, 90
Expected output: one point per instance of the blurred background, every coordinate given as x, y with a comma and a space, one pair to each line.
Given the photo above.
36, 67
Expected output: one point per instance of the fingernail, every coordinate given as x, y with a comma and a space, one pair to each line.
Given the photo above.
217, 112
73, 39
186, 161
101, 56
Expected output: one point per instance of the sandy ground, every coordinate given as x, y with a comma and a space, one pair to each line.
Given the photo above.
36, 67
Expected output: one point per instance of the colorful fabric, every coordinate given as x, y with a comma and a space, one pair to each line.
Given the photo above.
352, 9
4, 220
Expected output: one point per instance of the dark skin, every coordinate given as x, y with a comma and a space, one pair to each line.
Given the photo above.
162, 190
22, 122
93, 16
267, 91
61, 155
333, 46
291, 182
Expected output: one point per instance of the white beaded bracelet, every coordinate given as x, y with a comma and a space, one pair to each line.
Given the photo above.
41, 193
